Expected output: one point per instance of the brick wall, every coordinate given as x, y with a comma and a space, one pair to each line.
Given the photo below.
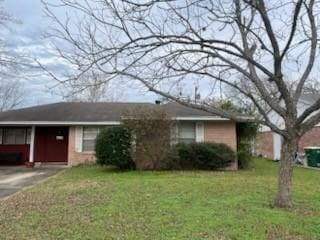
219, 132
222, 132
311, 138
264, 144
76, 158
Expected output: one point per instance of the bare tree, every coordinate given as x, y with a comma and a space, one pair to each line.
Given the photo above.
7, 59
12, 94
90, 87
11, 89
162, 43
244, 102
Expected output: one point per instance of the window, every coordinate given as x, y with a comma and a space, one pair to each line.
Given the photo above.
186, 132
28, 140
15, 135
89, 137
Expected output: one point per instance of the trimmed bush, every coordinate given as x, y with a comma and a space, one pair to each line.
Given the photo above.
244, 155
113, 147
205, 156
246, 133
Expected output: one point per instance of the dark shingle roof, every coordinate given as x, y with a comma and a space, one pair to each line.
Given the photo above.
178, 110
90, 112
71, 111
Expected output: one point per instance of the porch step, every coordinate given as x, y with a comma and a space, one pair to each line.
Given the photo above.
51, 164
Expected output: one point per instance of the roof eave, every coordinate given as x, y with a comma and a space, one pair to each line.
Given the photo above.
99, 123
58, 123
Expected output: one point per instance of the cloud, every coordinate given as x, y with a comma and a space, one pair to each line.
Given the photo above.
27, 39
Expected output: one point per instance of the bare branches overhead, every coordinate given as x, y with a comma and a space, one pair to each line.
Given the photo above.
12, 94
174, 41
11, 89
271, 46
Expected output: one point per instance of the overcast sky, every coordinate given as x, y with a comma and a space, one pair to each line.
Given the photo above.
28, 38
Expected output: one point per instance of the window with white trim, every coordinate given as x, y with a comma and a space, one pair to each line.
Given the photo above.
186, 132
89, 136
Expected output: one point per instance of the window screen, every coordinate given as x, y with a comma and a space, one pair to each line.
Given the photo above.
14, 136
89, 137
186, 132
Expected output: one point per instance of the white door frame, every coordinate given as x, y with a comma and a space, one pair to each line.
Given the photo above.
277, 146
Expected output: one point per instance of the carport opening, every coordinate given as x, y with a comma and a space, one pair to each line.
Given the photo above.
14, 145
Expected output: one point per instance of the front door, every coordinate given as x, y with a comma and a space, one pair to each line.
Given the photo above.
51, 144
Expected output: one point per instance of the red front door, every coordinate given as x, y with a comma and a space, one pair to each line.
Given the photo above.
51, 144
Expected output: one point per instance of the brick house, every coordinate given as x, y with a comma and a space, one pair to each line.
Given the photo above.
268, 143
65, 132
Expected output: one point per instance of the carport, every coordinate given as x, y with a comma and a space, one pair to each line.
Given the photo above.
15, 143
25, 144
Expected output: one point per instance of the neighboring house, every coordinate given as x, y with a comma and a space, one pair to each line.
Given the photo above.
65, 132
268, 143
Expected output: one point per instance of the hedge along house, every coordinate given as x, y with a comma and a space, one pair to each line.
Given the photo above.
65, 132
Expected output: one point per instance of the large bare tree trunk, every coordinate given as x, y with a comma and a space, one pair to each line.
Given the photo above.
284, 198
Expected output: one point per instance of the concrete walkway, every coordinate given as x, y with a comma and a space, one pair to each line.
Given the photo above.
14, 179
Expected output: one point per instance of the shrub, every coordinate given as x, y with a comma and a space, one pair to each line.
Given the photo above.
244, 155
246, 133
173, 160
151, 128
113, 147
204, 156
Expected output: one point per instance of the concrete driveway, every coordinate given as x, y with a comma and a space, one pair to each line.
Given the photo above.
14, 179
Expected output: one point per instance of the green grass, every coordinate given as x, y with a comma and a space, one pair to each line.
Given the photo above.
91, 202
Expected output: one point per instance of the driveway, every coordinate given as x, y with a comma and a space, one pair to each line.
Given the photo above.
14, 179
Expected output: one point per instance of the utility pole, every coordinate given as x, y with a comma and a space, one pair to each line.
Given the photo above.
196, 94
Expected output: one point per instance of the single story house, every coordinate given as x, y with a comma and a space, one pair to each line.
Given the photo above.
65, 132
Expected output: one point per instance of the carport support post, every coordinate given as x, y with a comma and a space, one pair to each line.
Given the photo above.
31, 153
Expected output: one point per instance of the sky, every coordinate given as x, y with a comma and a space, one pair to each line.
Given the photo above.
28, 37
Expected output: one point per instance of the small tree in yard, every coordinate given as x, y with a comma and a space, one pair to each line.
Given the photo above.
246, 134
166, 44
113, 147
151, 131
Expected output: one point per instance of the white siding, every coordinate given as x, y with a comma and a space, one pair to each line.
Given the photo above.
78, 140
199, 132
276, 146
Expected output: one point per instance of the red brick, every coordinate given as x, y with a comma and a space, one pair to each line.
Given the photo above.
264, 144
222, 132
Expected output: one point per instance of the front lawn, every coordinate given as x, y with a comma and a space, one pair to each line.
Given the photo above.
91, 202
